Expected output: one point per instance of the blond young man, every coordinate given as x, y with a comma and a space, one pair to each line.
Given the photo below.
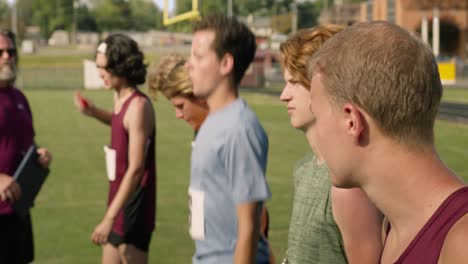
227, 182
375, 93
325, 226
171, 78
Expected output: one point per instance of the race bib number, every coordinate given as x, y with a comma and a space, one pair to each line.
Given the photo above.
196, 214
111, 157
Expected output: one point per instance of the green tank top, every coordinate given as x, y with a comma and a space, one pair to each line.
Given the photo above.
313, 236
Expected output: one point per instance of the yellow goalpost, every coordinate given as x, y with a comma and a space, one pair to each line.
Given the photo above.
193, 14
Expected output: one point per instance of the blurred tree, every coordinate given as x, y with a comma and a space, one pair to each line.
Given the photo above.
138, 15
245, 7
145, 15
86, 19
5, 18
50, 15
25, 11
112, 14
307, 15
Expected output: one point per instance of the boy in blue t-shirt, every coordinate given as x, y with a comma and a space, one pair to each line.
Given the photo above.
228, 184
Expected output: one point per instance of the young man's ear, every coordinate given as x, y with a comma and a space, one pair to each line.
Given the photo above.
356, 123
227, 64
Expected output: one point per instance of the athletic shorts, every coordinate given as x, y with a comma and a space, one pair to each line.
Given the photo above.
16, 239
138, 240
135, 230
263, 252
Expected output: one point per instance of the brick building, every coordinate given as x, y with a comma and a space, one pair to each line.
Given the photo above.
414, 15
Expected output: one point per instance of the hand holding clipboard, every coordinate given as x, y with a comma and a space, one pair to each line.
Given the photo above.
10, 191
30, 175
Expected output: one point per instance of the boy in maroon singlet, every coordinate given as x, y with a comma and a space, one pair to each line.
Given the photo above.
16, 135
126, 228
375, 92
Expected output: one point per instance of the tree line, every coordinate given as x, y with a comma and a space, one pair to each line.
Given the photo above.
138, 15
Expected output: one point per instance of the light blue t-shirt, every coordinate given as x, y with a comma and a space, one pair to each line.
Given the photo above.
228, 165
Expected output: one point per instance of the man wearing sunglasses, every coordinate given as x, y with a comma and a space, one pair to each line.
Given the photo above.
16, 135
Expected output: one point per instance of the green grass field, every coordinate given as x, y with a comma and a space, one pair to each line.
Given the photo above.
73, 199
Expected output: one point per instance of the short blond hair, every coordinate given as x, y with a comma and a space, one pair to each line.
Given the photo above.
297, 50
389, 73
169, 77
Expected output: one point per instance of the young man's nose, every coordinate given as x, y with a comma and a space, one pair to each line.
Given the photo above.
285, 96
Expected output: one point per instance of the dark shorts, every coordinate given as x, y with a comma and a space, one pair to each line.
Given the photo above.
16, 239
140, 241
263, 252
135, 228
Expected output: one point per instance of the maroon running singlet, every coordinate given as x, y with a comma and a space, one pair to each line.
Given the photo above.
137, 218
427, 245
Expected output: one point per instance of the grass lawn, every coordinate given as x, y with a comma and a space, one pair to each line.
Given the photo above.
73, 199
456, 95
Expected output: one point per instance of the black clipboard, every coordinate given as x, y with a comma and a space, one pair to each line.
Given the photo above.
30, 175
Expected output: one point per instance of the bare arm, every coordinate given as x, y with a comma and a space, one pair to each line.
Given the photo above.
264, 225
454, 248
100, 114
360, 225
92, 110
248, 232
140, 120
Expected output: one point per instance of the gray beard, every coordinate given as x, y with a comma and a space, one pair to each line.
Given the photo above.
8, 72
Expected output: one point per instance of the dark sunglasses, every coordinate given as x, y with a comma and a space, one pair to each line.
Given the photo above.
11, 52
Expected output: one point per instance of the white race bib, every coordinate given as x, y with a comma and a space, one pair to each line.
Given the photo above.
111, 157
196, 214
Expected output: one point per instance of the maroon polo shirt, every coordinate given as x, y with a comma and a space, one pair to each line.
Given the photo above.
16, 133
